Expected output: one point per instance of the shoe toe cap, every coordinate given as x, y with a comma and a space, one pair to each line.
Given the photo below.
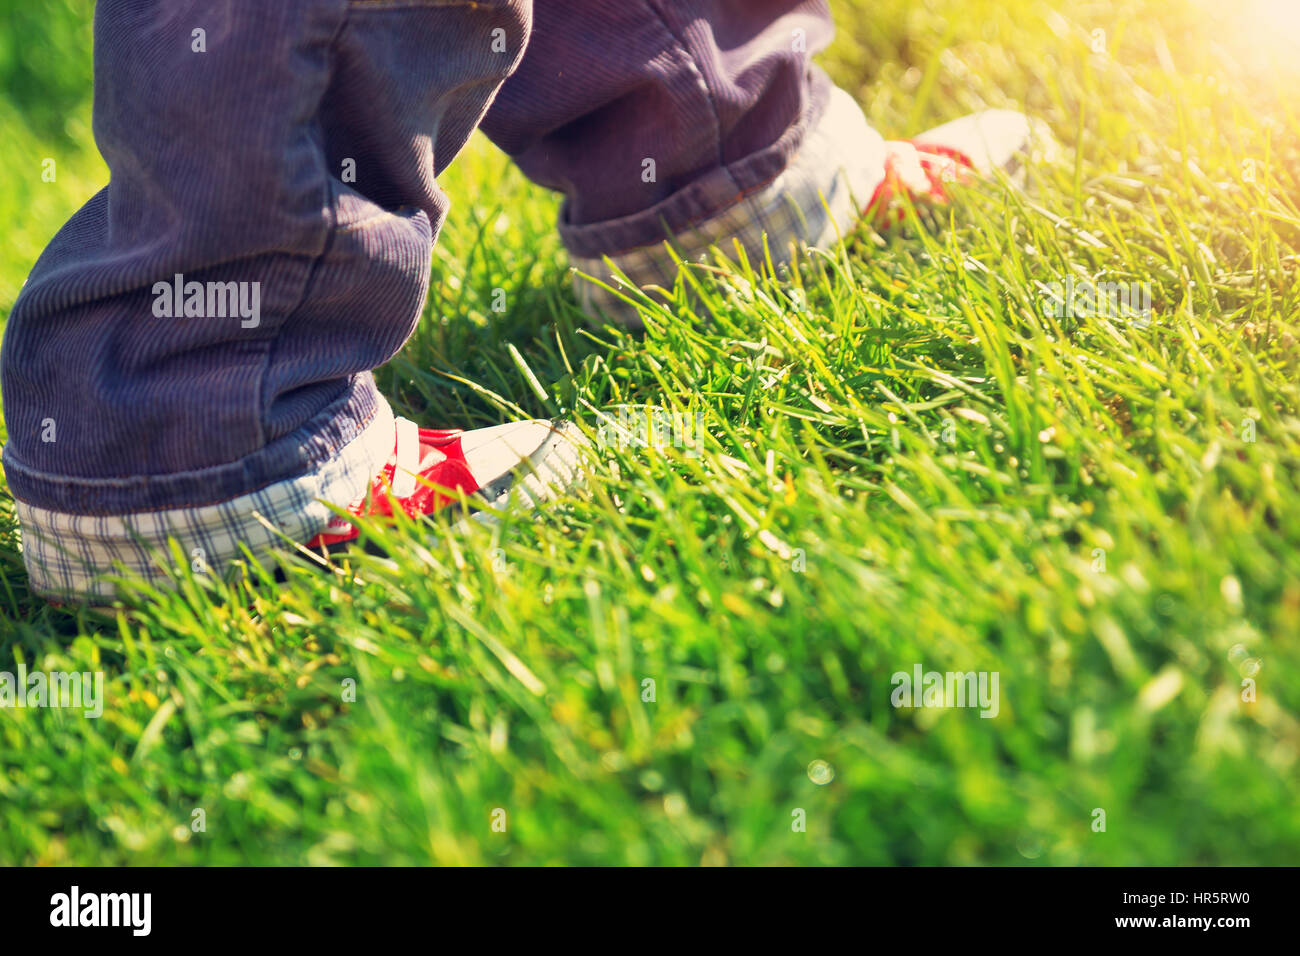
539, 457
993, 139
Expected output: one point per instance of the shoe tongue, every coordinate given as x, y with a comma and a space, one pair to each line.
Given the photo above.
413, 456
905, 162
406, 458
430, 455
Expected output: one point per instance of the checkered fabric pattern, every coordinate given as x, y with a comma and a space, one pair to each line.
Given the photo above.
68, 555
815, 200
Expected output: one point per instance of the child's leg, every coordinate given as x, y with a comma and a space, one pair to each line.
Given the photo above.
704, 120
191, 356
281, 158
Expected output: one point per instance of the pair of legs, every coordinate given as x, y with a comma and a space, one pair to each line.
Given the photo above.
191, 356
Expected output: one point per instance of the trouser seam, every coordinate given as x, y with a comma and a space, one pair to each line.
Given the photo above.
698, 73
331, 228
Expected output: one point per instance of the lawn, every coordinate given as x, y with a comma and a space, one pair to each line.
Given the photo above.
907, 456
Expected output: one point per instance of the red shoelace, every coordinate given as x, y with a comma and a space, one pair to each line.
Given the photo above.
940, 165
426, 470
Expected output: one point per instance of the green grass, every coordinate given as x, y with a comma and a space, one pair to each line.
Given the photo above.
919, 467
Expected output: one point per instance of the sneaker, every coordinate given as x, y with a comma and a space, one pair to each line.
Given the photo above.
430, 468
925, 168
